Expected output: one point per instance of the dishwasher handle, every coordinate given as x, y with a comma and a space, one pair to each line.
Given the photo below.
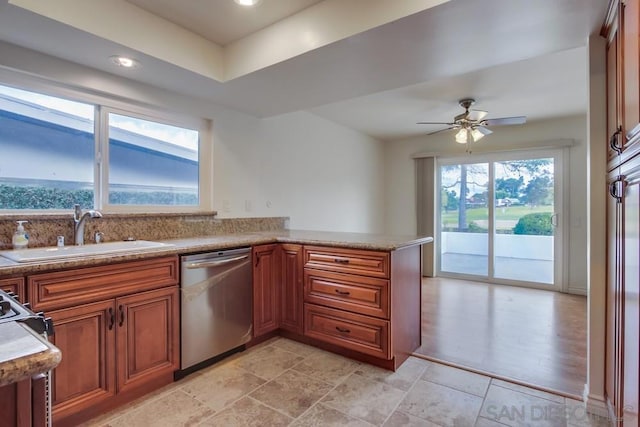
206, 264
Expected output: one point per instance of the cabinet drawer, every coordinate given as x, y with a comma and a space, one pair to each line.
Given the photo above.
364, 334
368, 263
78, 286
361, 295
15, 285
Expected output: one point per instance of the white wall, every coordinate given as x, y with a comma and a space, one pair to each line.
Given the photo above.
322, 175
400, 189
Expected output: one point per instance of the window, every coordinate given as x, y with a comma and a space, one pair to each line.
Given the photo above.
54, 155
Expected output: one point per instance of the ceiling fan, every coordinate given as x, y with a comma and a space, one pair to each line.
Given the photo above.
472, 124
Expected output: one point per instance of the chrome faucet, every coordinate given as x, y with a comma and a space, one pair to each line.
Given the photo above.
80, 218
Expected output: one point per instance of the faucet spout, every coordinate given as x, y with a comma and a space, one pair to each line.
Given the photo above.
80, 218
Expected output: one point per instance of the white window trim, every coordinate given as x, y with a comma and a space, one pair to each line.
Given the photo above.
103, 105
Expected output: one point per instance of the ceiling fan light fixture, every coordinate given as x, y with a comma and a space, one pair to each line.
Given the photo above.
462, 137
476, 134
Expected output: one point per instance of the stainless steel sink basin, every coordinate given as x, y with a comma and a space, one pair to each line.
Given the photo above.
62, 252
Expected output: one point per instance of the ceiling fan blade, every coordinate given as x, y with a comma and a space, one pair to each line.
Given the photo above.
483, 130
441, 130
477, 115
518, 120
435, 123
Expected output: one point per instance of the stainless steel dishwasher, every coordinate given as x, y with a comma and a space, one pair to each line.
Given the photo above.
216, 306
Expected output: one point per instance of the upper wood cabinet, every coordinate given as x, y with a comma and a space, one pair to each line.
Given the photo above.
621, 30
266, 289
291, 287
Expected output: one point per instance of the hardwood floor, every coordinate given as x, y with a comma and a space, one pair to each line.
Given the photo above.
533, 337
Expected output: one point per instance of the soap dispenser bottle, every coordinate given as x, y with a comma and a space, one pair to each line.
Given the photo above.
20, 237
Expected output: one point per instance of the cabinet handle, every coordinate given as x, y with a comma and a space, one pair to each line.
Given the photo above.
257, 259
615, 139
339, 292
343, 330
112, 318
616, 188
341, 260
121, 308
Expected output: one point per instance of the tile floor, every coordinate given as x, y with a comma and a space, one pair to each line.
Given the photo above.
285, 383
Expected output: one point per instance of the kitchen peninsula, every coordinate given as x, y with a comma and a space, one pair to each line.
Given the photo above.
356, 294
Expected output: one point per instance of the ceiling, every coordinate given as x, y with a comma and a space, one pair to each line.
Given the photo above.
378, 69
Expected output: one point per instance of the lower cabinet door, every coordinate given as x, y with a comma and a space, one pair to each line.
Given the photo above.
365, 334
86, 374
148, 336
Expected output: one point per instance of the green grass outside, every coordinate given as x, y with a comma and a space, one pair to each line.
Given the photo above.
506, 215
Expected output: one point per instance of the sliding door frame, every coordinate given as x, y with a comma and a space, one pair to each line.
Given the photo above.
561, 232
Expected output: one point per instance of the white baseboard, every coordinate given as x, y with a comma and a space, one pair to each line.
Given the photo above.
577, 291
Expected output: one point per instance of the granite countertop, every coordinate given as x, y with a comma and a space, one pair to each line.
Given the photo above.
368, 241
24, 354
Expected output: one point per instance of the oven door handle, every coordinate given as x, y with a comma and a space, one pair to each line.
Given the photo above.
206, 264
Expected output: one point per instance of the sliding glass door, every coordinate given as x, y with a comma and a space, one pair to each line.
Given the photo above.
499, 218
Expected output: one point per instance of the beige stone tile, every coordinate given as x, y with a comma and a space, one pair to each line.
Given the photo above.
528, 390
515, 408
292, 393
577, 415
328, 367
250, 413
323, 416
459, 379
172, 409
400, 419
133, 405
485, 422
295, 347
408, 373
268, 362
441, 405
364, 398
222, 386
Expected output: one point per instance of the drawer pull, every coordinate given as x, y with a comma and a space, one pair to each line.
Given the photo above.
341, 260
339, 292
343, 330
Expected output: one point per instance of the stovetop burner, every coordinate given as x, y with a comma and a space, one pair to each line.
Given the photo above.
11, 310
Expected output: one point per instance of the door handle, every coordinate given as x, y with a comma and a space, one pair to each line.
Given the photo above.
616, 188
206, 264
121, 308
615, 139
112, 318
554, 220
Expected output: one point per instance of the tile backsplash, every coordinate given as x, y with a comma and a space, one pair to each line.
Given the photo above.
43, 230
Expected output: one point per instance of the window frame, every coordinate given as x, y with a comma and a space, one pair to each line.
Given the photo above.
103, 105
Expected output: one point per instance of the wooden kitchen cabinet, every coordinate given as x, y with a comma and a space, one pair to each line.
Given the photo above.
622, 363
364, 301
118, 329
266, 289
86, 375
623, 288
15, 285
147, 336
621, 29
23, 404
291, 288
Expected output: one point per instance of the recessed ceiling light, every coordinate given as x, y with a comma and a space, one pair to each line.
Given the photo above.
248, 3
124, 62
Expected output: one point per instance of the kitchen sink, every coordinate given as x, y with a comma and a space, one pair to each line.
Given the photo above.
63, 252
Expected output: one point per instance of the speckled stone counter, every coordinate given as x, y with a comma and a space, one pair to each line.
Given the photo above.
368, 241
24, 354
